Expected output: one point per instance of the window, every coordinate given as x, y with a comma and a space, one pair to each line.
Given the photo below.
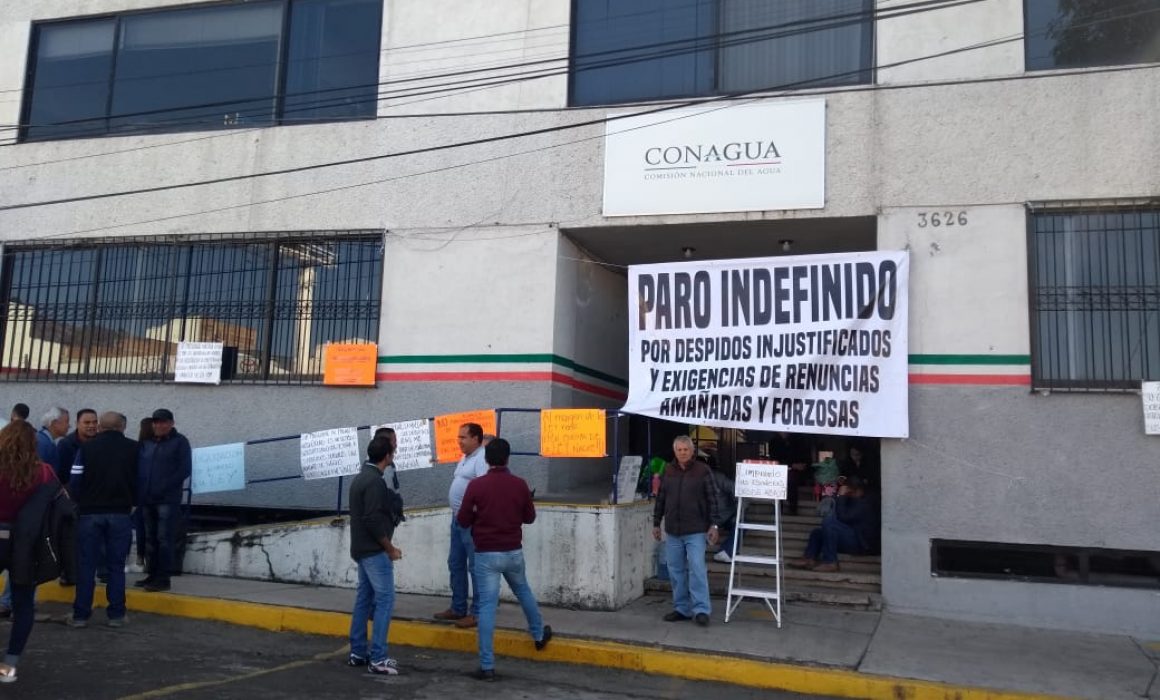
653, 49
1089, 566
115, 310
205, 67
1082, 33
1095, 298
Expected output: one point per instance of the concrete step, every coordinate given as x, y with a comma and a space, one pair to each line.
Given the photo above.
794, 593
845, 578
848, 563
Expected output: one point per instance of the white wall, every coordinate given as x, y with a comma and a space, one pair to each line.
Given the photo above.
593, 557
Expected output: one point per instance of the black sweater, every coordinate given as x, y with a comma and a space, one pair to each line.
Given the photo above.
371, 516
104, 480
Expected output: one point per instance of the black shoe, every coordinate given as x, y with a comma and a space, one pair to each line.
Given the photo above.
157, 586
484, 675
543, 642
143, 582
702, 619
675, 616
355, 660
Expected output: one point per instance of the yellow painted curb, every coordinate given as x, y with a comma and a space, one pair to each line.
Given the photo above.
655, 660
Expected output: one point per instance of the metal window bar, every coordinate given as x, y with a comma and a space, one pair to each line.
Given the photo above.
115, 309
1094, 274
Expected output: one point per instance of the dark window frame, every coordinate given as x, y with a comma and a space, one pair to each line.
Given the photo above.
1027, 58
279, 98
245, 305
1040, 382
1080, 575
871, 70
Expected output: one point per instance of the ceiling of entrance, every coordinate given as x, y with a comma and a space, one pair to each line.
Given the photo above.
633, 245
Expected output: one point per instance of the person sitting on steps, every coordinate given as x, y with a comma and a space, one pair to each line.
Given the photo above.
852, 528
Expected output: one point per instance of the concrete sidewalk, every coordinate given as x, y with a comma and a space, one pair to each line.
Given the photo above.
817, 650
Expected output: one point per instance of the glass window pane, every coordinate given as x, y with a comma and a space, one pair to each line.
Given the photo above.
774, 55
615, 57
201, 68
1079, 33
70, 87
333, 60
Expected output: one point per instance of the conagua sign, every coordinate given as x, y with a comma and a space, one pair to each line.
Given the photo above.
722, 157
809, 343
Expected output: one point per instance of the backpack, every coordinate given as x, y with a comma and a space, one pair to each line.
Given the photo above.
43, 543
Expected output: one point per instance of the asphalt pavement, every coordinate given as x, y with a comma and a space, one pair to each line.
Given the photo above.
171, 657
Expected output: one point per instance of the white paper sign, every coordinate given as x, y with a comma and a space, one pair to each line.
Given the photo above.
414, 443
219, 468
767, 481
627, 478
330, 453
1151, 395
198, 363
808, 343
717, 158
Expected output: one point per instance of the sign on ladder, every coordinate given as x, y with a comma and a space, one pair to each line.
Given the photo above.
762, 481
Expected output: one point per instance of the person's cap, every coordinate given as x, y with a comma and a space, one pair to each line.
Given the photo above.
163, 414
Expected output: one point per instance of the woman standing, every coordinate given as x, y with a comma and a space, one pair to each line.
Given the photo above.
21, 473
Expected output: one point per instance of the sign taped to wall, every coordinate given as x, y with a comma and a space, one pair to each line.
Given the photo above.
573, 432
198, 363
808, 344
349, 364
447, 430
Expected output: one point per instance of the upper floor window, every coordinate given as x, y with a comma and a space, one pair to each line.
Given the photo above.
252, 64
117, 309
1095, 298
631, 50
1083, 33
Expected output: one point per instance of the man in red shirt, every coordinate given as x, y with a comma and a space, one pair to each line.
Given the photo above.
495, 507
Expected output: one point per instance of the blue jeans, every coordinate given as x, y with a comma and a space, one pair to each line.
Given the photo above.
23, 602
6, 596
832, 537
110, 535
375, 595
160, 539
460, 561
489, 566
685, 555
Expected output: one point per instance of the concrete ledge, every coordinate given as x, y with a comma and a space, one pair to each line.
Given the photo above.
656, 660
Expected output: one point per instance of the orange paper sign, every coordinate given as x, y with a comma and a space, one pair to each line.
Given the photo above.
346, 364
447, 430
572, 432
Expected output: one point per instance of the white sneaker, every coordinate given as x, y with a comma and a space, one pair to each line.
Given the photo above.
386, 667
722, 557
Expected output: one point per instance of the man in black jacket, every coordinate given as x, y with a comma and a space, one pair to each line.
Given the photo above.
372, 524
166, 462
103, 480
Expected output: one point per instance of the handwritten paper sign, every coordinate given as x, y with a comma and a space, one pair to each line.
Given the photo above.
219, 468
349, 364
572, 432
447, 430
198, 363
330, 453
627, 478
1150, 391
413, 450
757, 480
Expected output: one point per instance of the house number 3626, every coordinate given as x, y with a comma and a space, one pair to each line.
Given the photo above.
936, 219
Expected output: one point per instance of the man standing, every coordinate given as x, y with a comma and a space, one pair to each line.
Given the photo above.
495, 508
87, 429
460, 558
103, 481
687, 502
53, 426
166, 462
372, 524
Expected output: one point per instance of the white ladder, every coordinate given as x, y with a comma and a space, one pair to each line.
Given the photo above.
772, 598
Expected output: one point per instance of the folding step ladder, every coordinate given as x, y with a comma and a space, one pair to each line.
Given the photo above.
771, 597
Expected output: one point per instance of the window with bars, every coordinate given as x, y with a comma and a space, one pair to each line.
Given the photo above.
116, 310
1095, 298
633, 50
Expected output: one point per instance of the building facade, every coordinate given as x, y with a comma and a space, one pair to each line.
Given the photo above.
430, 177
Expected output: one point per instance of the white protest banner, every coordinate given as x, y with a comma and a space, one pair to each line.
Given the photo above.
414, 449
710, 158
627, 478
219, 468
758, 480
198, 363
330, 453
808, 344
1150, 392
